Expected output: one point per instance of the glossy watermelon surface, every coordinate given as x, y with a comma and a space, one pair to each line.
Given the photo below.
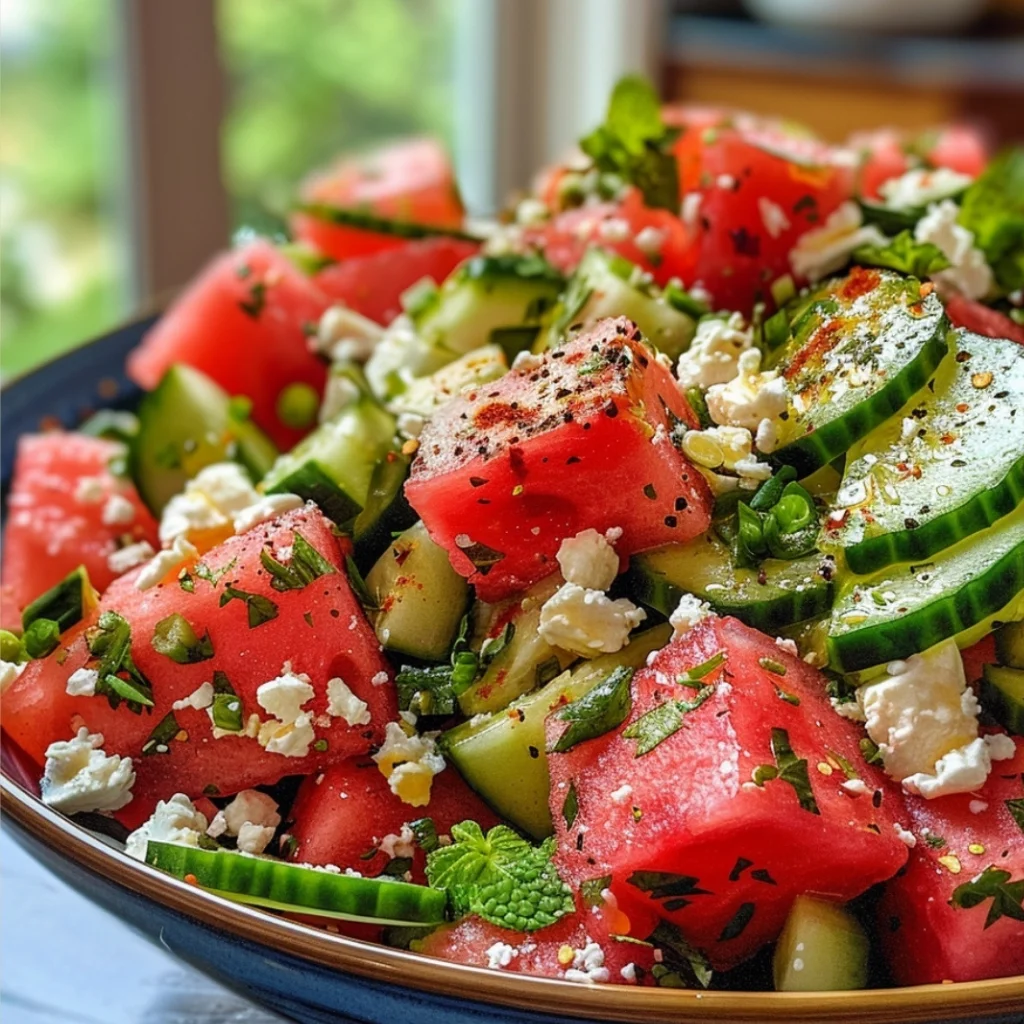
319, 630
982, 319
60, 515
245, 321
580, 441
738, 810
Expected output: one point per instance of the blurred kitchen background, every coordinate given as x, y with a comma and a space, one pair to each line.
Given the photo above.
137, 135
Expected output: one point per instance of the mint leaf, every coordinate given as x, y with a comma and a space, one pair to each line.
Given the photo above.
633, 144
159, 741
1016, 809
598, 711
788, 768
175, 638
500, 877
992, 884
903, 253
260, 609
682, 959
663, 721
306, 565
993, 210
226, 709
110, 642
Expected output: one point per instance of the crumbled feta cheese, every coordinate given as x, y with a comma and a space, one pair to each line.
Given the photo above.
121, 560
962, 770
269, 507
823, 250
628, 973
622, 794
851, 710
788, 645
920, 710
614, 229
750, 397
690, 611
174, 821
290, 732
254, 839
588, 965
855, 787
180, 555
82, 682
340, 392
587, 622
766, 439
91, 490
969, 274
726, 181
79, 776
209, 502
588, 560
401, 845
9, 671
713, 355
527, 361
773, 217
904, 835
118, 511
500, 955
200, 698
922, 186
689, 209
343, 703
380, 679
977, 806
410, 424
251, 807
531, 212
650, 240
343, 334
409, 763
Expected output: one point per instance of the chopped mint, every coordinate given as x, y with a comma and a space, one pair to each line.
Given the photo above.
110, 640
992, 884
788, 768
260, 609
903, 253
306, 565
599, 710
175, 638
664, 721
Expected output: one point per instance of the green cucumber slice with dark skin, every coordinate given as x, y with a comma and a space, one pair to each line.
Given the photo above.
822, 948
1002, 696
386, 511
188, 422
364, 220
295, 888
864, 345
65, 603
777, 594
905, 609
950, 465
1010, 645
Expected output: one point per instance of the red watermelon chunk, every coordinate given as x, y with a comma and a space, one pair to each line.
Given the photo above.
472, 940
581, 440
319, 628
344, 814
373, 285
245, 322
982, 319
962, 840
66, 508
684, 832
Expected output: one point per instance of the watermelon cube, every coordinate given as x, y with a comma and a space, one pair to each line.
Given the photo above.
579, 438
731, 788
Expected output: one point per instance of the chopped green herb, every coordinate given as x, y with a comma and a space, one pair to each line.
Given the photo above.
1016, 809
213, 576
869, 751
771, 665
592, 888
226, 709
992, 884
358, 584
110, 640
425, 832
306, 565
738, 923
320, 746
12, 649
675, 890
601, 709
905, 254
253, 305
663, 721
571, 806
260, 609
790, 769
684, 961
159, 741
175, 638
397, 867
934, 841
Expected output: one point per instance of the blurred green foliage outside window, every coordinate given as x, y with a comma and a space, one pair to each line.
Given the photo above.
306, 80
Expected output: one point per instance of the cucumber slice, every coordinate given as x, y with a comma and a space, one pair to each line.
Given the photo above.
822, 948
1010, 645
950, 465
777, 594
1002, 696
425, 394
497, 300
420, 598
526, 662
334, 465
861, 348
502, 756
65, 603
296, 888
386, 511
188, 422
606, 284
905, 609
363, 220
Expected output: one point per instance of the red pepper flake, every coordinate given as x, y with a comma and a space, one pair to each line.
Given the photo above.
859, 282
190, 880
927, 287
947, 438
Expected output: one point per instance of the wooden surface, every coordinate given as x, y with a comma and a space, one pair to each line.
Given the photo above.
65, 961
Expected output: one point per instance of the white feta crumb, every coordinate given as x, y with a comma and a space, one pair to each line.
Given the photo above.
962, 770
689, 210
251, 807
622, 794
588, 965
690, 612
121, 560
343, 703
588, 560
380, 679
650, 240
344, 334
118, 511
823, 250
773, 217
713, 355
969, 274
921, 187
977, 807
200, 698
855, 787
90, 490
290, 732
79, 776
173, 821
401, 845
588, 622
628, 973
613, 229
254, 839
410, 424
904, 835
269, 507
750, 397
531, 212
527, 361
500, 955
340, 392
787, 644
9, 672
409, 763
209, 502
181, 554
82, 682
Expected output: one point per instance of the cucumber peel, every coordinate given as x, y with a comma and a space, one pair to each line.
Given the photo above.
822, 948
1002, 696
298, 888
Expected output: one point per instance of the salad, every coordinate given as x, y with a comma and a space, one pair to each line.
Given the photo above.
629, 590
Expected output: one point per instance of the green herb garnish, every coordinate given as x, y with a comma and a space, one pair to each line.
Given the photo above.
992, 884
306, 565
175, 638
598, 711
260, 609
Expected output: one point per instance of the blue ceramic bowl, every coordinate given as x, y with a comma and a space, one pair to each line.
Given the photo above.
312, 975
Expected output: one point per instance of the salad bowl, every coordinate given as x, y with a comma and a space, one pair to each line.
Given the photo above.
313, 975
